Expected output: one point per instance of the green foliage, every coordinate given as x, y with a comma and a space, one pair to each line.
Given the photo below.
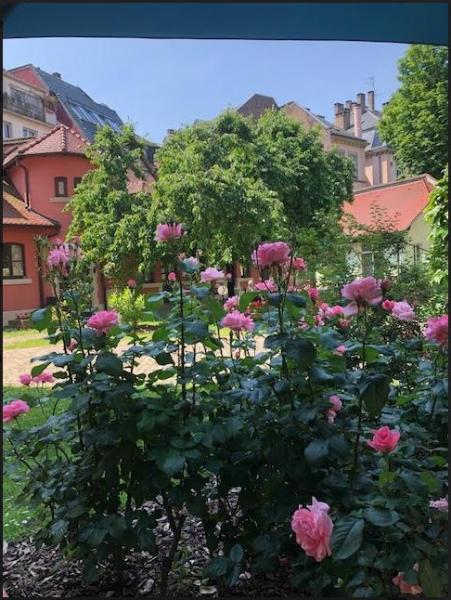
436, 214
415, 122
234, 182
111, 222
239, 438
130, 304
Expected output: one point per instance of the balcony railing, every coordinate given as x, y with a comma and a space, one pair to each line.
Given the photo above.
24, 105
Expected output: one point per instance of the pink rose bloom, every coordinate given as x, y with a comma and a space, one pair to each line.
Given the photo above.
303, 324
340, 349
172, 276
299, 264
25, 379
441, 505
103, 320
271, 253
318, 321
266, 286
44, 377
167, 232
231, 303
384, 439
131, 283
361, 292
14, 409
313, 294
211, 274
388, 304
192, 262
403, 311
238, 321
58, 257
72, 345
333, 311
336, 402
343, 323
404, 587
313, 528
237, 354
437, 330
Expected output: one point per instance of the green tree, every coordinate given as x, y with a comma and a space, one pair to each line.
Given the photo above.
415, 121
436, 215
235, 181
208, 178
112, 222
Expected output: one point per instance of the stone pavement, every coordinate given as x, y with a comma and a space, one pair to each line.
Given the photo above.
16, 362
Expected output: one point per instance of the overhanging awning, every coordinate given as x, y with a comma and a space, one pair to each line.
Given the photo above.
404, 22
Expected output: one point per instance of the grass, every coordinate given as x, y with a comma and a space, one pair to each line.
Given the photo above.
17, 517
33, 343
15, 333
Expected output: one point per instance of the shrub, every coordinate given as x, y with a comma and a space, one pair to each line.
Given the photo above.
240, 439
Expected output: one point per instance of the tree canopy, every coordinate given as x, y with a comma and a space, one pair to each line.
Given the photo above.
415, 121
111, 222
235, 181
436, 215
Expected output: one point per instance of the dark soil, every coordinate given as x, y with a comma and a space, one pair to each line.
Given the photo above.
43, 573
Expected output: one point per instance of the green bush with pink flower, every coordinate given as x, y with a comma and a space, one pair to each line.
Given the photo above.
312, 440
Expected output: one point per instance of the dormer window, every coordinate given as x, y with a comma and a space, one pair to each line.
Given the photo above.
61, 187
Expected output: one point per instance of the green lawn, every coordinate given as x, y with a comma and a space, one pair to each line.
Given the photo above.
16, 516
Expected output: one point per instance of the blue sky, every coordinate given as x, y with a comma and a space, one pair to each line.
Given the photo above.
163, 84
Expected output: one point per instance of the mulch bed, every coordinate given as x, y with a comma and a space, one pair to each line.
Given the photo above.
43, 573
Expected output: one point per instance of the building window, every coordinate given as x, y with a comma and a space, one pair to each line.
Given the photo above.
149, 277
29, 132
61, 187
354, 158
77, 180
13, 261
7, 130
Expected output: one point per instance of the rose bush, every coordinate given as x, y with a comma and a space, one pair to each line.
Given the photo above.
353, 415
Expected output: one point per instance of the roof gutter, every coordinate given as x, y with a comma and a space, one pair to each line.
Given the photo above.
27, 183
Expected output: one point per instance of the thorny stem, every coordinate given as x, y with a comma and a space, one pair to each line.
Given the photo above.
359, 423
182, 340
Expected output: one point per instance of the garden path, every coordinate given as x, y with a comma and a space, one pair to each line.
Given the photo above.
18, 361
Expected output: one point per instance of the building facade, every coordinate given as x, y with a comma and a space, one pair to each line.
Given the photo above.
28, 109
402, 204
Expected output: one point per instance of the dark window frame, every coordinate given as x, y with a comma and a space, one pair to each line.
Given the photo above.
57, 181
7, 254
77, 181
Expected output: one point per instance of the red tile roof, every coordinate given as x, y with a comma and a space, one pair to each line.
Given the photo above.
60, 139
16, 213
400, 201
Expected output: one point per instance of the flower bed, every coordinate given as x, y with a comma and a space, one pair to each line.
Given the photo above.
323, 457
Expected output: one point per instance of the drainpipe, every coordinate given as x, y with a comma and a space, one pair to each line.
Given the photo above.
27, 184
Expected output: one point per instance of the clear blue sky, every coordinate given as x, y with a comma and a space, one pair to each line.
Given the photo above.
163, 84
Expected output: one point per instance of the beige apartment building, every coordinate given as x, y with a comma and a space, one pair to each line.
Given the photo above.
353, 134
28, 111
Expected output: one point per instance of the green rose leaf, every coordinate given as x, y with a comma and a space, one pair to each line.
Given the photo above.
218, 567
246, 299
316, 452
374, 392
347, 537
303, 352
380, 517
236, 553
109, 363
41, 318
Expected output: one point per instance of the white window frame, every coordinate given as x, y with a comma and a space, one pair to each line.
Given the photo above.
26, 131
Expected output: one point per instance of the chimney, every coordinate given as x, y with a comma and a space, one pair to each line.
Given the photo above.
371, 104
361, 100
348, 104
56, 74
346, 118
339, 115
357, 118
